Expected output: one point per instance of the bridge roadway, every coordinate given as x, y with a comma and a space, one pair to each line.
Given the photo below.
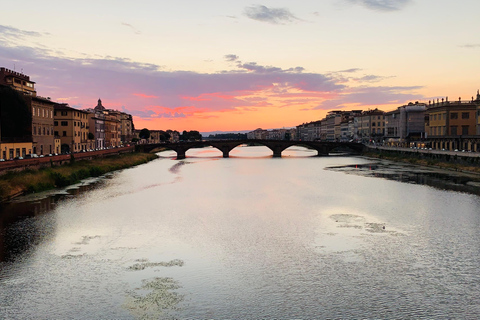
277, 146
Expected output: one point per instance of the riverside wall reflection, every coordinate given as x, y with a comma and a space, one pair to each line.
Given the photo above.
17, 230
433, 177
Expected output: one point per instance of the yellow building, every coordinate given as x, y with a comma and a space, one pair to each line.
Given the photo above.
452, 125
71, 127
112, 128
11, 150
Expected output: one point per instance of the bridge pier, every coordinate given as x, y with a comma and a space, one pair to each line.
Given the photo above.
277, 154
226, 153
181, 155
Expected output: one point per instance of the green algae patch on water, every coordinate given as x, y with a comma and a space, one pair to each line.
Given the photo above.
154, 299
144, 263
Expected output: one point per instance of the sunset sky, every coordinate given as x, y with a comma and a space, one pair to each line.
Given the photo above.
240, 65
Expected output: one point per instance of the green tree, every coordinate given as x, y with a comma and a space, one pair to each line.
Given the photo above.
144, 134
15, 115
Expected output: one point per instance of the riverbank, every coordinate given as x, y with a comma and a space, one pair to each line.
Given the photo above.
421, 160
13, 184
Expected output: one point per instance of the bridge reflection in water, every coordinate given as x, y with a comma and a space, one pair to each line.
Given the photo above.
277, 146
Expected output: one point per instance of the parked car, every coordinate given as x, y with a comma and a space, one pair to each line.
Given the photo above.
29, 156
1, 160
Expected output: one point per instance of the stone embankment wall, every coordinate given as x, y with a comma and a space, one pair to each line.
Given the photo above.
458, 157
37, 163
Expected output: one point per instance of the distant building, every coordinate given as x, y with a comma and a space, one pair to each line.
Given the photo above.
371, 125
96, 123
109, 127
405, 125
309, 131
258, 134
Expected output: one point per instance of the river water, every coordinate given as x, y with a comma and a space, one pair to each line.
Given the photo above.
248, 237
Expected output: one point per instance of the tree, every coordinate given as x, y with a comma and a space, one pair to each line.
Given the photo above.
16, 118
91, 136
144, 134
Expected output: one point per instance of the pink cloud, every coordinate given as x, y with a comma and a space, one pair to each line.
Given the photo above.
147, 92
144, 95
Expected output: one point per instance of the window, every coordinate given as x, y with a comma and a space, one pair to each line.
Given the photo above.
64, 113
64, 123
55, 123
34, 130
453, 130
465, 115
56, 133
465, 130
454, 115
64, 133
434, 117
54, 113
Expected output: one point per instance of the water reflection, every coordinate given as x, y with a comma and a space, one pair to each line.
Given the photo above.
20, 231
245, 238
437, 178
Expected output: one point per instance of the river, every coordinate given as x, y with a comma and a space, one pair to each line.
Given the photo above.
248, 237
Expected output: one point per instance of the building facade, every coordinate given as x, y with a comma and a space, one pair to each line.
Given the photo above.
453, 125
371, 125
41, 109
405, 125
72, 128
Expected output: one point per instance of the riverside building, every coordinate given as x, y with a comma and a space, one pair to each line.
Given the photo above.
42, 133
71, 125
453, 125
405, 125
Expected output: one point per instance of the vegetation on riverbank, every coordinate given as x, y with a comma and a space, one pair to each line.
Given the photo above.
28, 181
451, 164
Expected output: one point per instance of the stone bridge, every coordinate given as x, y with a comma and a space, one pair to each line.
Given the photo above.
277, 146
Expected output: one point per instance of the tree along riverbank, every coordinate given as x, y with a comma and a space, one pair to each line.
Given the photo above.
449, 163
14, 184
